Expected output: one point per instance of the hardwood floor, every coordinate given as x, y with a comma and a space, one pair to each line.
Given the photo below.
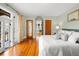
26, 48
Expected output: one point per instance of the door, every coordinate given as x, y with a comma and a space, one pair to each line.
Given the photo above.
29, 28
47, 27
4, 34
7, 40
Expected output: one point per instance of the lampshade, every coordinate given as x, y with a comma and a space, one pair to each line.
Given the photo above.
57, 27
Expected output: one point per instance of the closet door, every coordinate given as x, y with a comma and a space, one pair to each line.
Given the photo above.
47, 27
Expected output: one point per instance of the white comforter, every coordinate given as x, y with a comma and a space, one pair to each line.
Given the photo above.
49, 46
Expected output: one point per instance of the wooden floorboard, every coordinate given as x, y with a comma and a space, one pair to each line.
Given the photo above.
29, 47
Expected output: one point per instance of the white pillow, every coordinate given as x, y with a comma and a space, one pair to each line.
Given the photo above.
62, 36
73, 37
67, 32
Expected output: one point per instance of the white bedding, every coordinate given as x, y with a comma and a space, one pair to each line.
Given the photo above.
49, 46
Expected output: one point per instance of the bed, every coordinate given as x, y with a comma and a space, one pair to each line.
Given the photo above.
49, 45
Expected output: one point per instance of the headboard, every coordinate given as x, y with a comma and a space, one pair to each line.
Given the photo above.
76, 30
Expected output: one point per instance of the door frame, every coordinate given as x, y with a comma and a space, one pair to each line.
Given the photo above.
27, 29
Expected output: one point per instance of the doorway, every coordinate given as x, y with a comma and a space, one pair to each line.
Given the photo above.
29, 28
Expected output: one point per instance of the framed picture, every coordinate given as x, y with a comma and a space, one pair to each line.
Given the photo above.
73, 16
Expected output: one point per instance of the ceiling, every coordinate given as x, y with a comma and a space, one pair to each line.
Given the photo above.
42, 9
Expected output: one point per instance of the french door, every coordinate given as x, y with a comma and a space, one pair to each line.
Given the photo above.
4, 34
